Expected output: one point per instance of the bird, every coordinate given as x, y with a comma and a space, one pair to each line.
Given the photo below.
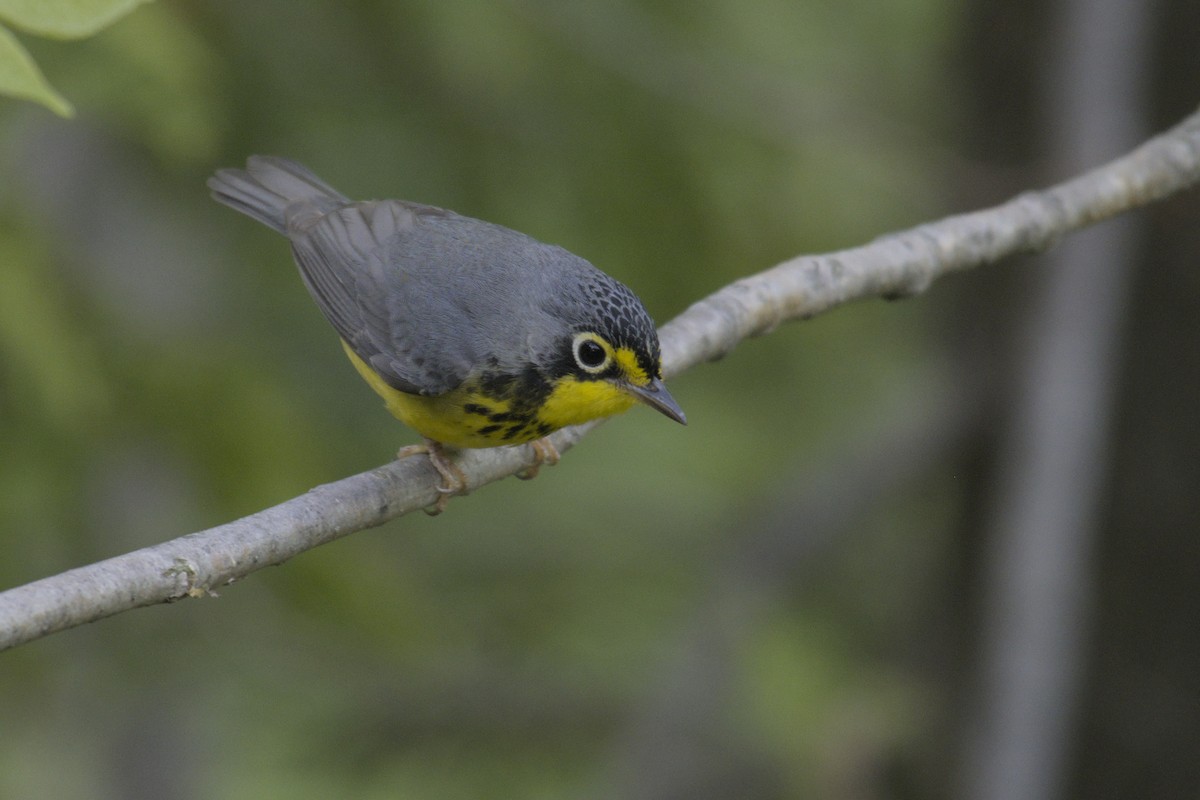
473, 334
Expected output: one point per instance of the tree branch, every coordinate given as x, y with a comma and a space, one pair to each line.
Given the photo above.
894, 266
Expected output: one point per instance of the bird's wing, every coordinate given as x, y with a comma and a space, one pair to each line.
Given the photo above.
360, 265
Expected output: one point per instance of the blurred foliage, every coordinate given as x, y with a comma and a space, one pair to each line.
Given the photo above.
20, 77
163, 370
61, 19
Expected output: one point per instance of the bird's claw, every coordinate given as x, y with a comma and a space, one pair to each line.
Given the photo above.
454, 482
544, 452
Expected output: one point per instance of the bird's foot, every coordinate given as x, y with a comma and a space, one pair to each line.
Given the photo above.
454, 482
544, 452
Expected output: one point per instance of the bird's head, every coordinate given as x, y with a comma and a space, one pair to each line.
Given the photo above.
607, 357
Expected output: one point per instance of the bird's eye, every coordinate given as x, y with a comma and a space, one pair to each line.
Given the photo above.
590, 354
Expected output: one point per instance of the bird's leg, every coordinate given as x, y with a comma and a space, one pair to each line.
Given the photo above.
544, 452
453, 480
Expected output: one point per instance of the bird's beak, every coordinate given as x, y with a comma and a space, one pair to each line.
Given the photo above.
655, 395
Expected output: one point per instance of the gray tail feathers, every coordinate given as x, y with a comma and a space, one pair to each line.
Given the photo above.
268, 186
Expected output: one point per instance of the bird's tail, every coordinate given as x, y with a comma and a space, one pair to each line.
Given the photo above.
269, 186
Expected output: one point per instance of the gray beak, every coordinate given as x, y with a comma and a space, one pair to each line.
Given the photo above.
657, 397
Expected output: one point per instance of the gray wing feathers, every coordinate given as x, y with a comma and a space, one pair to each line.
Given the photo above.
410, 288
343, 261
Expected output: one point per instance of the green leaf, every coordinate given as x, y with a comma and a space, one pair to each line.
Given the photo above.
64, 19
20, 77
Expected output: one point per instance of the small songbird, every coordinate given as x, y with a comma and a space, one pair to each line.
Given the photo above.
473, 334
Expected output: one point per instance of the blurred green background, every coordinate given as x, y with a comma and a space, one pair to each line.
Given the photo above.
775, 601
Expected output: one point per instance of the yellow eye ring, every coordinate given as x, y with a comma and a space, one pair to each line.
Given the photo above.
592, 353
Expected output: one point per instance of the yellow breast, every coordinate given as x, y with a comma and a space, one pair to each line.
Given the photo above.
468, 417
573, 402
